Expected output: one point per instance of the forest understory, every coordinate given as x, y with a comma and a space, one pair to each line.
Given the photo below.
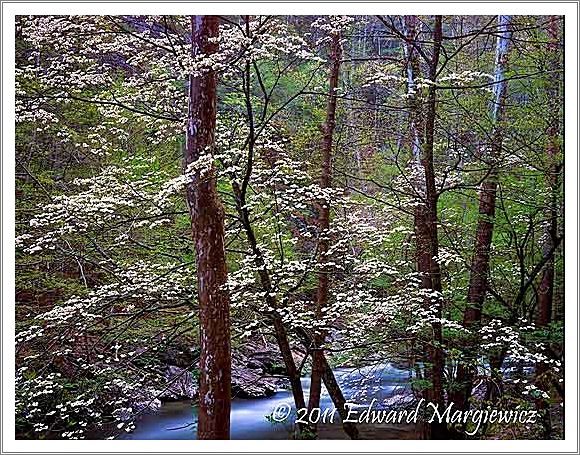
218, 214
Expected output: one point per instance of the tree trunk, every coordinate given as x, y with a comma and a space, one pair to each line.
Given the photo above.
240, 191
546, 289
207, 221
414, 99
433, 280
280, 332
332, 387
417, 130
422, 128
279, 329
324, 223
281, 336
338, 399
484, 232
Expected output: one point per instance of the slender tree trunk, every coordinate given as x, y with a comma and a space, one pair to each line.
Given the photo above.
332, 387
280, 332
433, 281
281, 336
207, 220
417, 130
414, 98
324, 223
422, 127
484, 232
546, 289
240, 191
338, 399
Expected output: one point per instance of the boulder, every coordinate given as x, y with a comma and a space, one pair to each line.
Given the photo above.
180, 354
257, 371
249, 380
181, 384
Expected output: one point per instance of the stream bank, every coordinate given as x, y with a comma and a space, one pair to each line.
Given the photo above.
385, 383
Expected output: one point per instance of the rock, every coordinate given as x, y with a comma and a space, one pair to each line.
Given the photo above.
180, 354
269, 361
258, 370
181, 384
249, 378
400, 400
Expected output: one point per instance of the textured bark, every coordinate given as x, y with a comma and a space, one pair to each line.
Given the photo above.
417, 130
422, 126
291, 368
546, 288
484, 232
435, 373
324, 223
207, 221
338, 399
483, 238
479, 270
431, 197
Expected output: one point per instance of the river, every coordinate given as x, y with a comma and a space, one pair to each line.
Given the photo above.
177, 420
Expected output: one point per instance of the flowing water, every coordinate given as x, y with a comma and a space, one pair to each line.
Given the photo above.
177, 420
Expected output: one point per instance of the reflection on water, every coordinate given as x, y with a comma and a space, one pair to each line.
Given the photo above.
249, 416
